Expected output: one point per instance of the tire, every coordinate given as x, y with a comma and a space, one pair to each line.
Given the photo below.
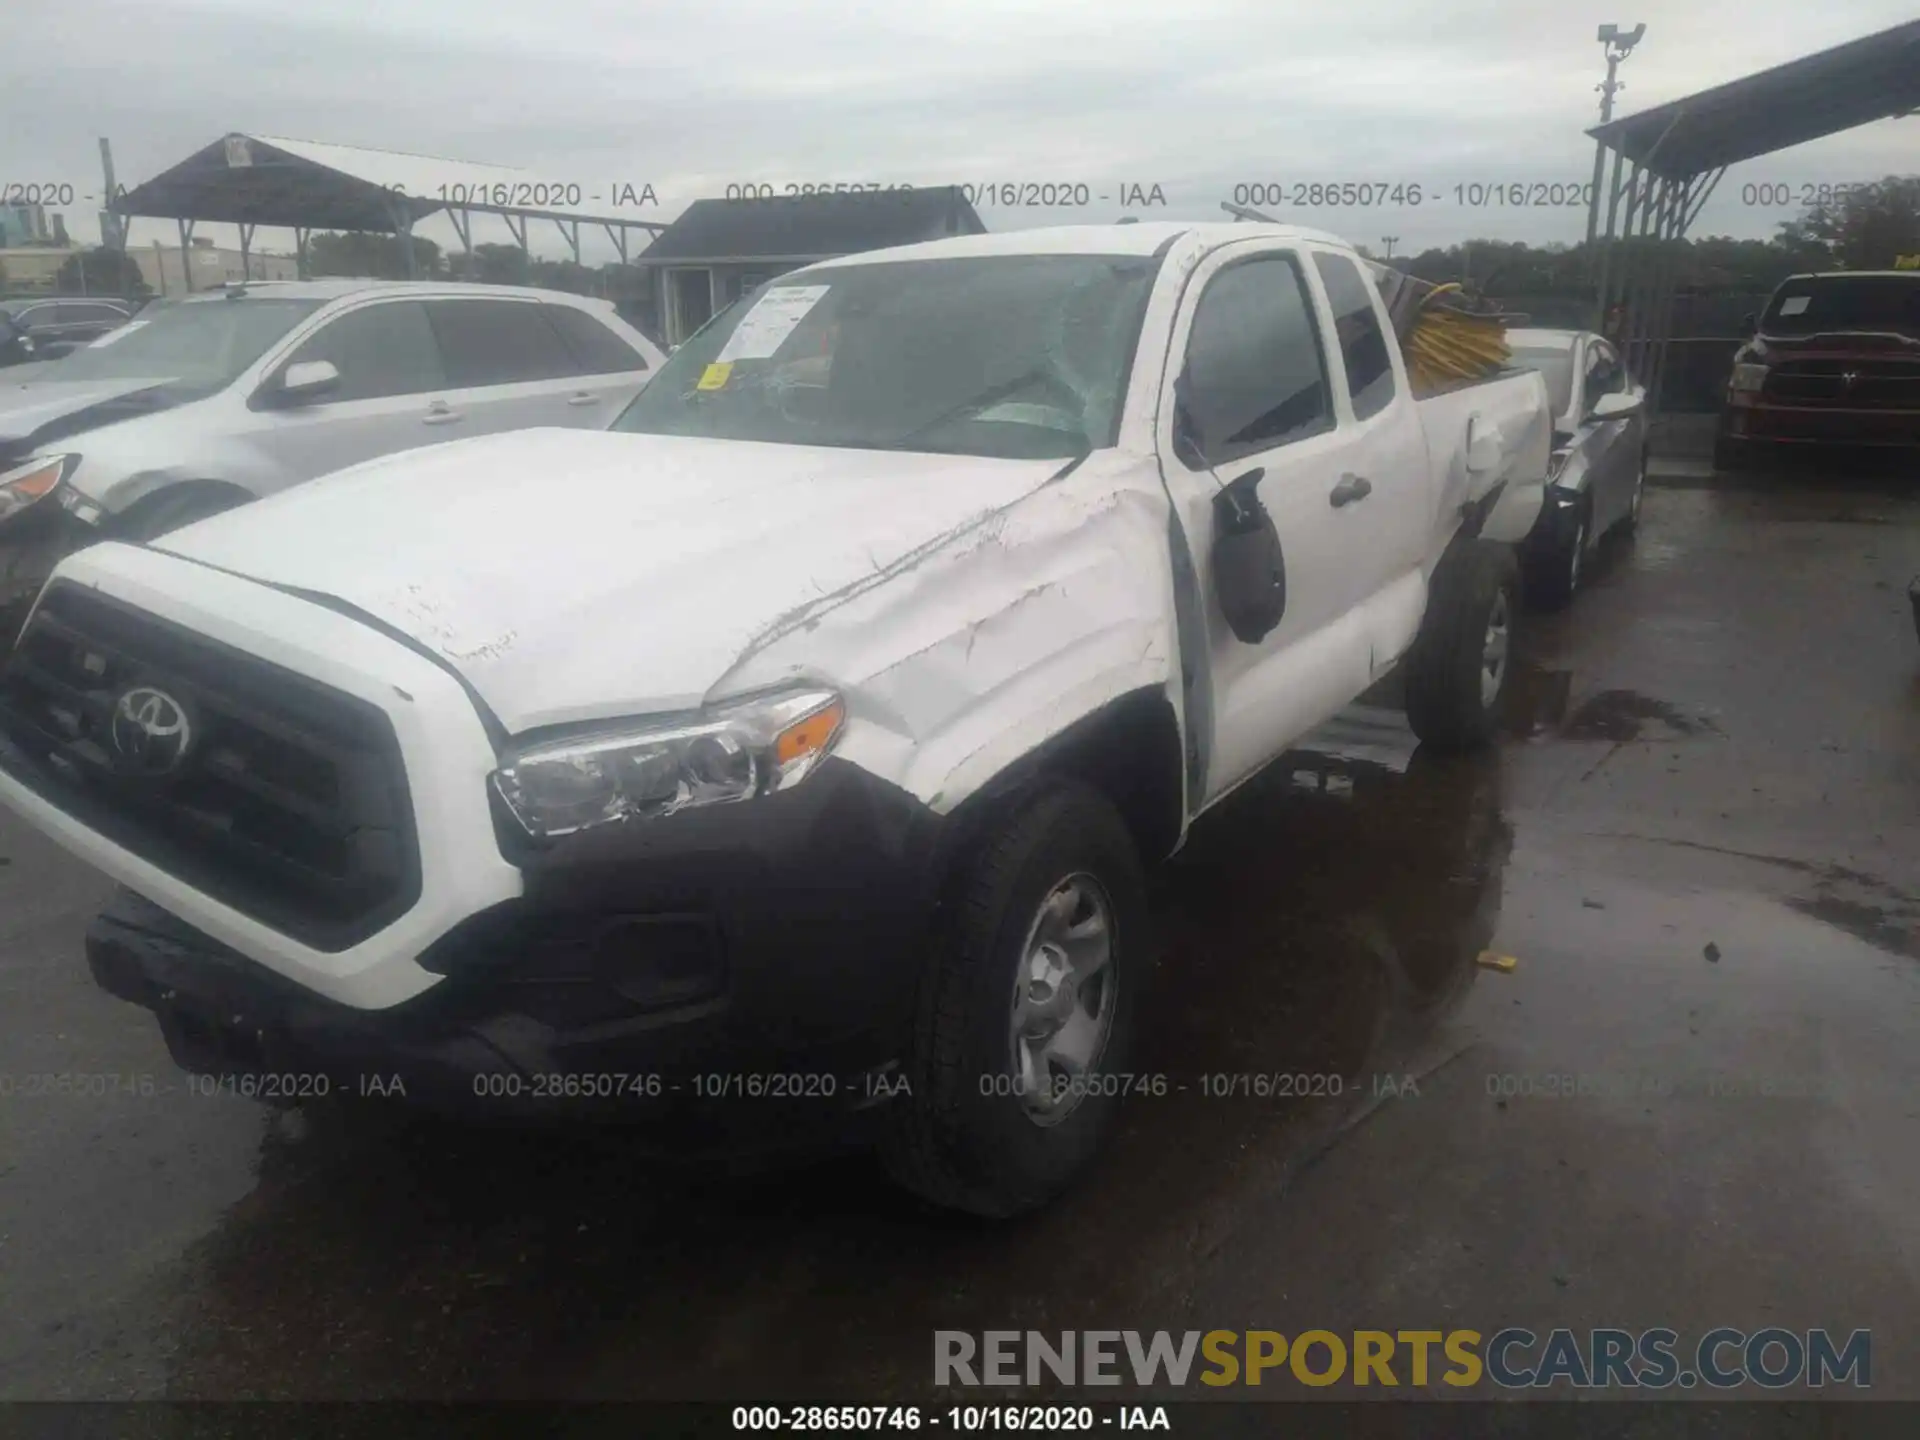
965, 1138
1458, 673
1730, 456
1629, 524
175, 508
1555, 573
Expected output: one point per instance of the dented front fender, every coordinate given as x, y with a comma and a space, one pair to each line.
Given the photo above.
984, 648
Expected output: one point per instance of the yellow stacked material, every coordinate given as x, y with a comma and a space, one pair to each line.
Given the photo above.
1447, 345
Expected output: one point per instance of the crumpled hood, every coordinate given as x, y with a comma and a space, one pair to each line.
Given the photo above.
41, 406
572, 575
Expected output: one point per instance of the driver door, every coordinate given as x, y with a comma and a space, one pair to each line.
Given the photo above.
1259, 395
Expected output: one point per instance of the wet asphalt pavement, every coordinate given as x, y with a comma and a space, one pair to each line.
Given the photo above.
1700, 842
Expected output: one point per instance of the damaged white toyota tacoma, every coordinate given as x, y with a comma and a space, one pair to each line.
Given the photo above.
792, 749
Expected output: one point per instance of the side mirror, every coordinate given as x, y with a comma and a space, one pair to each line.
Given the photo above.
307, 380
1616, 406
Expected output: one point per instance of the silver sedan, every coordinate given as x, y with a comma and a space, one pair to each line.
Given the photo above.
1599, 465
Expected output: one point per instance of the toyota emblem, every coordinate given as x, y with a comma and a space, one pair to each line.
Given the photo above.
151, 732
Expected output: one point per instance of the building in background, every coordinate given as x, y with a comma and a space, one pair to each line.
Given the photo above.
719, 250
213, 265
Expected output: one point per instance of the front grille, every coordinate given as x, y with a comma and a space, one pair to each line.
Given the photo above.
1868, 383
288, 802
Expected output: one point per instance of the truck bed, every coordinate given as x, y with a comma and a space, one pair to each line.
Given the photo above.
1514, 404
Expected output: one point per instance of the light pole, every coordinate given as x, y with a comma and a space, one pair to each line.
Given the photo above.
1619, 45
1389, 241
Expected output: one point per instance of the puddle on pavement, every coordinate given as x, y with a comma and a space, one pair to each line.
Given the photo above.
1316, 932
1623, 715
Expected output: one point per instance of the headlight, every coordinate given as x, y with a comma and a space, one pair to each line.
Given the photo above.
739, 751
1748, 378
35, 480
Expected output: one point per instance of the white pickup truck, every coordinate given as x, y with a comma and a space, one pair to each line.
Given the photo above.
798, 741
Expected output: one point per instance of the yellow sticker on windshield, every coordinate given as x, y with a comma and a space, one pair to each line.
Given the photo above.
715, 376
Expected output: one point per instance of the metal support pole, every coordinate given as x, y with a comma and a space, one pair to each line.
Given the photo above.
246, 252
113, 233
1640, 282
186, 254
1603, 291
1666, 279
300, 234
570, 232
1600, 147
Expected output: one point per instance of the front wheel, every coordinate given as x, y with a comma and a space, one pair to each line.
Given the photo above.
1018, 1063
1458, 671
1630, 522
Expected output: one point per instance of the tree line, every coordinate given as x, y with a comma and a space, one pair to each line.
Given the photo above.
1868, 228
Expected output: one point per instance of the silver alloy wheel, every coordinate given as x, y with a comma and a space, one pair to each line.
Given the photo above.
1064, 990
1493, 653
1577, 558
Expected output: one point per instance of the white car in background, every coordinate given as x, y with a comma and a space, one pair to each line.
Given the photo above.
208, 401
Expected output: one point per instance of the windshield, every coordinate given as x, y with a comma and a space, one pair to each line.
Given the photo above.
1020, 356
1845, 302
202, 344
1555, 365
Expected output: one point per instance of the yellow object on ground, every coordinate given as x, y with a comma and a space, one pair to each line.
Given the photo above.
1505, 963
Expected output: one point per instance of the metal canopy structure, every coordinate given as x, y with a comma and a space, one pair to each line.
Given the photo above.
1667, 161
304, 185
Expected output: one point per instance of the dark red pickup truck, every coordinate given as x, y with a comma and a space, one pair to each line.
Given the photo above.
1835, 360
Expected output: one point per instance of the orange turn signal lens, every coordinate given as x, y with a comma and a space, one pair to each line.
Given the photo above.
809, 736
34, 484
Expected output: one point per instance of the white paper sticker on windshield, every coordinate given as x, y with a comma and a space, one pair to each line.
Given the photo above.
124, 331
1795, 304
764, 328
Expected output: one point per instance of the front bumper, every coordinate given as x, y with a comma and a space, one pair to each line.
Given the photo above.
1553, 531
1789, 426
754, 972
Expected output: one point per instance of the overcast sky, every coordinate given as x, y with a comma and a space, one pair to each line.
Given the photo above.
1196, 96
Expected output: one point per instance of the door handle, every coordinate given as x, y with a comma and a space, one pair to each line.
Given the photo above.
583, 397
440, 413
1350, 489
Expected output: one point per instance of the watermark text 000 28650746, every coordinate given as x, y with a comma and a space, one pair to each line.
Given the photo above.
1511, 1358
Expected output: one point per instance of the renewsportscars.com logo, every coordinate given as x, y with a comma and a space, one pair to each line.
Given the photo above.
1722, 1359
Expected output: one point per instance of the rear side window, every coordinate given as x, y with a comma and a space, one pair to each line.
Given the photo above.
1255, 374
498, 342
596, 349
1363, 344
379, 350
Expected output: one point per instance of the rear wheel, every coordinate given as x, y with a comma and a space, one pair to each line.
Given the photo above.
1458, 671
1026, 1011
1730, 455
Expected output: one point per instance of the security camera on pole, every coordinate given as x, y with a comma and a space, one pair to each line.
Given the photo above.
1619, 45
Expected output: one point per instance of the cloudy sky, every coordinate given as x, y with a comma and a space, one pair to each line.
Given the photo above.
1196, 96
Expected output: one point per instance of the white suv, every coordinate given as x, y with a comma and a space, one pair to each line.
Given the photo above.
204, 402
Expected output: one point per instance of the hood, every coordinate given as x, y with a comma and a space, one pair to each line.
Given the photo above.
575, 575
40, 407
